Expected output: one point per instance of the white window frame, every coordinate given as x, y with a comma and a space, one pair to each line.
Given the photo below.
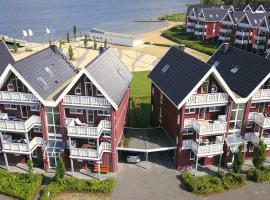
189, 111
214, 109
214, 88
253, 105
76, 111
34, 107
9, 107
78, 87
188, 131
103, 113
251, 148
10, 86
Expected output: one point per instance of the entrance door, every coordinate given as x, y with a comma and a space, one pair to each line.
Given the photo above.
201, 113
24, 111
90, 116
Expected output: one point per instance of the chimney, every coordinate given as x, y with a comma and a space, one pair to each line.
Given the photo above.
182, 47
226, 47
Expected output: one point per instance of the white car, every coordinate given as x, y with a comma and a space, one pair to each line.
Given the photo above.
133, 158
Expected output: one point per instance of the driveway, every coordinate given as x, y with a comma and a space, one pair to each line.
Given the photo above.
160, 182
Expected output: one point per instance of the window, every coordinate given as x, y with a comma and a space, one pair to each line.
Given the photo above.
10, 86
236, 117
253, 105
214, 109
75, 111
106, 134
204, 88
90, 116
190, 111
53, 123
92, 142
34, 107
98, 93
188, 131
35, 154
10, 107
37, 129
250, 148
78, 90
103, 112
214, 88
165, 68
161, 98
249, 124
192, 155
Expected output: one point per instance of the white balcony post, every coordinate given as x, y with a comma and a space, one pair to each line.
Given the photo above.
6, 161
27, 141
72, 167
98, 148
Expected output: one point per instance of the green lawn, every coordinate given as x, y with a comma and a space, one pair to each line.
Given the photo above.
177, 35
175, 17
140, 101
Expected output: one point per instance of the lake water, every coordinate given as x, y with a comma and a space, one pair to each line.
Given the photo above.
110, 15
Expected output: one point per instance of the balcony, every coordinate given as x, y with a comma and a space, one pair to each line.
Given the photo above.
17, 97
222, 30
262, 120
89, 132
227, 23
22, 148
20, 126
209, 127
207, 99
189, 30
242, 33
261, 95
190, 23
200, 26
255, 139
237, 41
86, 101
256, 46
199, 33
260, 38
90, 154
207, 150
222, 38
243, 25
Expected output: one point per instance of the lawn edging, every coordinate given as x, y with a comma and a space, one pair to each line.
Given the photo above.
18, 185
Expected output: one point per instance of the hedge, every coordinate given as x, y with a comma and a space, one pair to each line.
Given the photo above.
259, 175
206, 185
19, 186
77, 185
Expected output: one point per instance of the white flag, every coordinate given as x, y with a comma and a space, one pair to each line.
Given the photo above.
30, 32
48, 31
25, 33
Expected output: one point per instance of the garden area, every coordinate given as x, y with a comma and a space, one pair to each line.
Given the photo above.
139, 115
177, 35
235, 178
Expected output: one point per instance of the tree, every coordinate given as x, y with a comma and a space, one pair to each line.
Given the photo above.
15, 47
238, 159
60, 170
60, 44
85, 41
75, 32
70, 53
95, 43
30, 166
68, 38
105, 43
260, 156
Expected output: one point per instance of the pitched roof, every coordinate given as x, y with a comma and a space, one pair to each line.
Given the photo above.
5, 56
242, 71
178, 71
46, 71
236, 16
240, 7
111, 74
266, 7
255, 18
214, 15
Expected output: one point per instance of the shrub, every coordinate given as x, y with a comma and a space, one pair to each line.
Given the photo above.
260, 156
60, 170
238, 159
77, 185
232, 181
202, 184
30, 165
176, 17
70, 53
221, 174
19, 186
259, 175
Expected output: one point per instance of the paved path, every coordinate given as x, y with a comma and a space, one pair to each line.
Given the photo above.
160, 182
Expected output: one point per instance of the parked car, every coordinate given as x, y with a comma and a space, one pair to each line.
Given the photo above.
133, 157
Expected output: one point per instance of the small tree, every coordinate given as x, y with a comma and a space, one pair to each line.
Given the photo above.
238, 159
30, 166
60, 170
68, 38
75, 32
60, 44
85, 41
105, 43
15, 47
260, 156
70, 53
95, 43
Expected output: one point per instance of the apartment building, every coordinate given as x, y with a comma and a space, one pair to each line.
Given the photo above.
211, 112
50, 109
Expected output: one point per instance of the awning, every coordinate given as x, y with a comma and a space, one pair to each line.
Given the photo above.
145, 140
234, 141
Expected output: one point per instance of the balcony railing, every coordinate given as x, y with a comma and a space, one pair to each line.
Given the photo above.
207, 150
253, 137
90, 154
209, 128
223, 30
256, 46
190, 23
237, 41
227, 23
20, 126
73, 100
12, 147
263, 29
222, 38
242, 33
261, 95
262, 121
200, 26
89, 132
189, 30
18, 97
260, 38
206, 99
199, 33
243, 25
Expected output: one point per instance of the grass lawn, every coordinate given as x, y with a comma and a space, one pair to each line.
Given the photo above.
175, 17
177, 34
140, 101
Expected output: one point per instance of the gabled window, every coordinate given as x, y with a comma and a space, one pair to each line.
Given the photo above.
78, 90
